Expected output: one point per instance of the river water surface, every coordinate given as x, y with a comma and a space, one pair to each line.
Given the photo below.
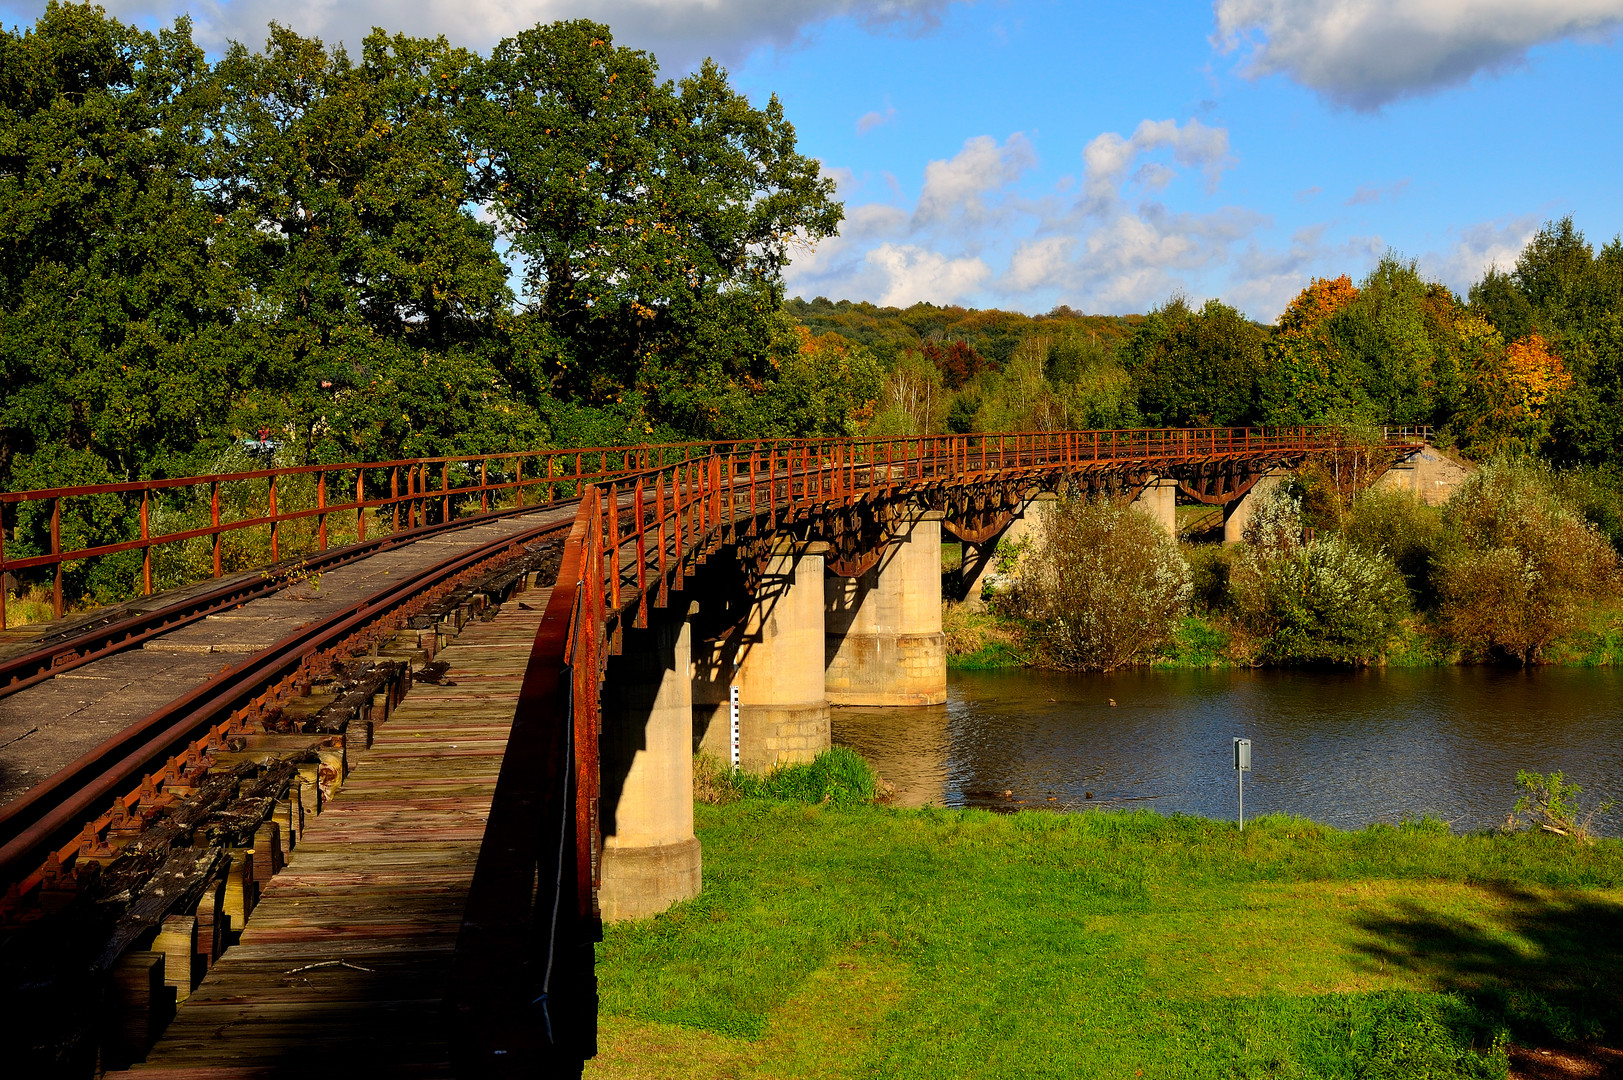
1346, 749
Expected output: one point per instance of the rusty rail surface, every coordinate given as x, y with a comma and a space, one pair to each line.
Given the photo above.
71, 647
523, 993
43, 832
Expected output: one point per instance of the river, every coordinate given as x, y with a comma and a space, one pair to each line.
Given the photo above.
1343, 748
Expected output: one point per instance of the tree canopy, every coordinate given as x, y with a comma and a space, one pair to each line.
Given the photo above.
417, 249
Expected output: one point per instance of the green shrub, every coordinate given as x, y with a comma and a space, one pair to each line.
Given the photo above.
1520, 568
1551, 804
1325, 601
1104, 586
1210, 567
1405, 529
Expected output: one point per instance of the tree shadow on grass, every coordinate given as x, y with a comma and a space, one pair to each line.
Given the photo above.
1549, 966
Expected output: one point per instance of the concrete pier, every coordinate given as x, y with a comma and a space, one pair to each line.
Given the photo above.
884, 642
650, 855
776, 661
1237, 514
978, 572
1159, 500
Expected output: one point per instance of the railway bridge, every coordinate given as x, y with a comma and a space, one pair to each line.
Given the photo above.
231, 844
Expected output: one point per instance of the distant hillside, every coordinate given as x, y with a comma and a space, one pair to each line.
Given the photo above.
994, 334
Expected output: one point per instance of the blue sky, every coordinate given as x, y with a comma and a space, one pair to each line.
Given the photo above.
1027, 153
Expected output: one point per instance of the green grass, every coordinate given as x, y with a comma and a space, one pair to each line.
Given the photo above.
863, 941
839, 776
982, 640
1598, 644
1199, 643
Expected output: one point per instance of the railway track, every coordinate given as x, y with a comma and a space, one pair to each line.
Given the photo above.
178, 814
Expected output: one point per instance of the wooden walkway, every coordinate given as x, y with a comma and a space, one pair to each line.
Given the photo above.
343, 964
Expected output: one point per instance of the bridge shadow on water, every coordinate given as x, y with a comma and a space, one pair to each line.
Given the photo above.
1549, 966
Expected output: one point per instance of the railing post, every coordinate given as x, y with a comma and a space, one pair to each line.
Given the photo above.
3, 589
146, 548
321, 504
678, 476
274, 524
659, 517
611, 550
56, 549
642, 551
445, 486
484, 486
518, 480
394, 497
360, 508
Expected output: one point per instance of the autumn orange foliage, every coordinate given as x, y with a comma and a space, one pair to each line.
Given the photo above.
1535, 375
1322, 298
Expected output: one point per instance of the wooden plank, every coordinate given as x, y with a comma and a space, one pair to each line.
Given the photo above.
342, 963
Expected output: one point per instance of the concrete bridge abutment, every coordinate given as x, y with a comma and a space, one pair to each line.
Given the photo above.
776, 661
884, 644
651, 858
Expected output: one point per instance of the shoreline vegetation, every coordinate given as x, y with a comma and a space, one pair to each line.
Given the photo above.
837, 936
1519, 566
987, 641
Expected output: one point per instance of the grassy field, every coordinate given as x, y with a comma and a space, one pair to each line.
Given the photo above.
861, 941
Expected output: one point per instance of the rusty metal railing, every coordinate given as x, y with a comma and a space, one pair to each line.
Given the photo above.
414, 491
523, 990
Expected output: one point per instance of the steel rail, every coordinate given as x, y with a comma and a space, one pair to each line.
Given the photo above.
51, 811
72, 648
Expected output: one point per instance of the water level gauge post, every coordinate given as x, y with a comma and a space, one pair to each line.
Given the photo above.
1242, 765
732, 715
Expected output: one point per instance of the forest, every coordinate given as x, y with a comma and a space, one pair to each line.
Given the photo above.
422, 249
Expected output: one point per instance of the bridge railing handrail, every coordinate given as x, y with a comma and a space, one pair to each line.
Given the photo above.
472, 484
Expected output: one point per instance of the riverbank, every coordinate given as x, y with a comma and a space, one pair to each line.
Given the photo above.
869, 941
984, 641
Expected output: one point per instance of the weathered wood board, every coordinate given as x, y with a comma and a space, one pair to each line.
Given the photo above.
343, 965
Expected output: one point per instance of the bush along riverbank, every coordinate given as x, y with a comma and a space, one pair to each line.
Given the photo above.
1520, 566
837, 938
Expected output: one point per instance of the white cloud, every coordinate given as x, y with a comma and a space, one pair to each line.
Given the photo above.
1108, 157
1265, 280
1365, 53
1368, 194
679, 32
1135, 259
1108, 248
1037, 263
960, 185
870, 120
1477, 248
913, 273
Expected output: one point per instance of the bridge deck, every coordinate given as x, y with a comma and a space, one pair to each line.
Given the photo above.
343, 964
45, 727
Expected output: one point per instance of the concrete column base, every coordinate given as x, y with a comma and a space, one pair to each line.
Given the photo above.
887, 669
768, 735
643, 881
773, 735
